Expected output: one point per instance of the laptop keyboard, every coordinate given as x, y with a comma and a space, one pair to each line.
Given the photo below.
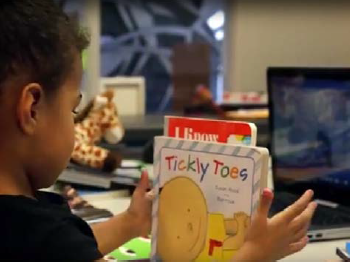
324, 216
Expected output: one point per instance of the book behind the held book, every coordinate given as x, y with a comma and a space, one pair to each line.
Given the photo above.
232, 132
206, 193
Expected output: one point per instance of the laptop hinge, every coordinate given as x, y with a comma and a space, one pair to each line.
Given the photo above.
326, 203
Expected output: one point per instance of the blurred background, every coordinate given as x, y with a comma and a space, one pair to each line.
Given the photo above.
200, 58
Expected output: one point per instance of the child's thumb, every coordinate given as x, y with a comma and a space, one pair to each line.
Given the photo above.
150, 195
265, 202
144, 181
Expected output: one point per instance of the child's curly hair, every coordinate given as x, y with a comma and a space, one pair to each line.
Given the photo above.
37, 41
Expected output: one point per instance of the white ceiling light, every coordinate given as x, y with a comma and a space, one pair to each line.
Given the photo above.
219, 35
217, 20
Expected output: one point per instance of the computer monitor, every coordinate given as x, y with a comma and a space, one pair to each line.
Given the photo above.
310, 129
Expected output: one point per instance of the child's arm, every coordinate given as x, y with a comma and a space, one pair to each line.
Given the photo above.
280, 236
134, 222
114, 232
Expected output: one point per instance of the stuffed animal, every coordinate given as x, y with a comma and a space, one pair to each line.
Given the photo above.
99, 119
204, 97
202, 102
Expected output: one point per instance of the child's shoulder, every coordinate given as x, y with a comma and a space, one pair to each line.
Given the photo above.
27, 224
45, 213
23, 215
46, 206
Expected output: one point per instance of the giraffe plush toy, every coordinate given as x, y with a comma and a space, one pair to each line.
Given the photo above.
98, 120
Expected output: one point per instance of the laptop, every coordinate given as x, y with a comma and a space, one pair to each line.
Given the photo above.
310, 143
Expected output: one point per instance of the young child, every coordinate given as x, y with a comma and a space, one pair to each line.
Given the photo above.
40, 73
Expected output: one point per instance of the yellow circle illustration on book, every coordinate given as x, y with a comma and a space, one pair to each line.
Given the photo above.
183, 221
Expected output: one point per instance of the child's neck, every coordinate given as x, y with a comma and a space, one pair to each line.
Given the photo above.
14, 181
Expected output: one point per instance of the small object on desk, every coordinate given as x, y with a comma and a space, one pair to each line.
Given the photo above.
136, 249
347, 247
130, 163
203, 97
83, 209
255, 98
343, 254
248, 114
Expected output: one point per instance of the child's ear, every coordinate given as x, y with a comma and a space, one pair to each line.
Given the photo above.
28, 105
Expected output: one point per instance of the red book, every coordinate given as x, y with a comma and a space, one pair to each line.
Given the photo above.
232, 132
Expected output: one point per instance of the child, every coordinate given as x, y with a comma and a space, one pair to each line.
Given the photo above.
40, 72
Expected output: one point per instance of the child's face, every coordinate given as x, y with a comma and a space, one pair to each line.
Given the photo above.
53, 139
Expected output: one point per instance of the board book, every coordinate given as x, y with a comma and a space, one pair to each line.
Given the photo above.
206, 193
232, 132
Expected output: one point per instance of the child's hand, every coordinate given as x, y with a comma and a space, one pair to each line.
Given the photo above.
140, 208
280, 236
134, 222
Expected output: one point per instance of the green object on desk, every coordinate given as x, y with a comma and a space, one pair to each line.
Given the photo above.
138, 248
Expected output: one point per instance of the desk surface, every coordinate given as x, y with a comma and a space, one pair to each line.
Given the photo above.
318, 251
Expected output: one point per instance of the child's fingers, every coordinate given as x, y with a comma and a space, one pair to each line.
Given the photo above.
304, 218
150, 195
297, 246
299, 206
144, 181
300, 234
265, 202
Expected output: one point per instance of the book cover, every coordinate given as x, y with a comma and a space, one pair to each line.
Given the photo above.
232, 132
205, 195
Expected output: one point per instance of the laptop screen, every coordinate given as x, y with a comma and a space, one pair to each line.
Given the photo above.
310, 126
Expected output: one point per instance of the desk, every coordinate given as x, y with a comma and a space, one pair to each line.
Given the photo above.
317, 251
